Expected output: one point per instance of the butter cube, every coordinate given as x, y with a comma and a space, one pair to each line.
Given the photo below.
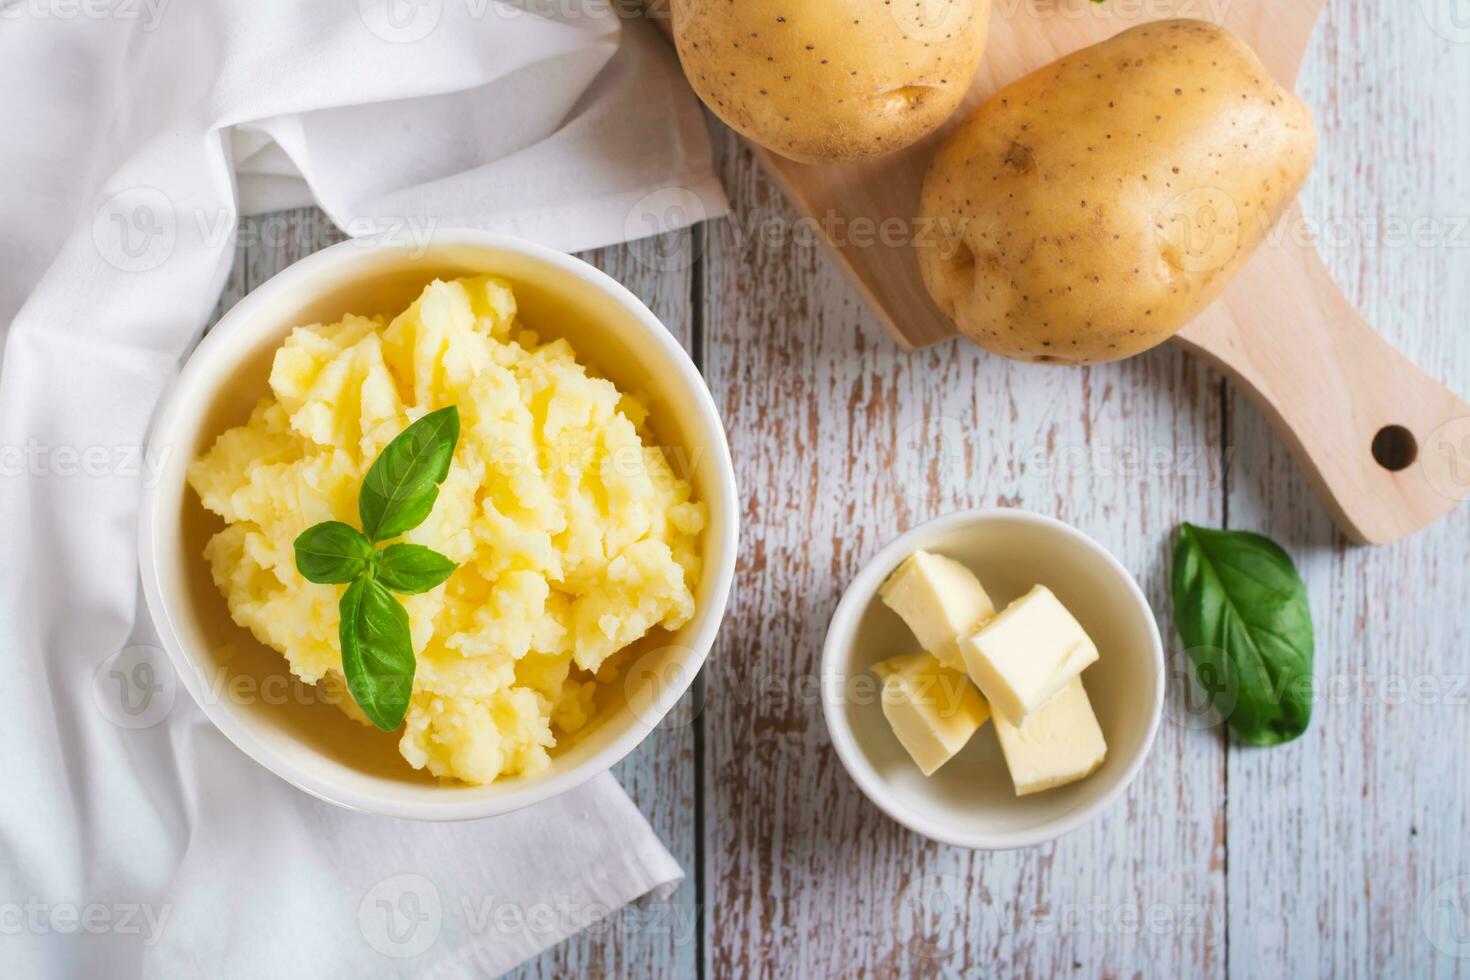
1022, 658
933, 710
940, 600
1059, 744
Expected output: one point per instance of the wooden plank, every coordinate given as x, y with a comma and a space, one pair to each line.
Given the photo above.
655, 937
265, 244
1342, 845
840, 440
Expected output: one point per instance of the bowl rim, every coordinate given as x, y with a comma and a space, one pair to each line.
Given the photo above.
862, 591
707, 621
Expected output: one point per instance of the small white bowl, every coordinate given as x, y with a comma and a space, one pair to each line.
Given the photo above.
971, 801
245, 689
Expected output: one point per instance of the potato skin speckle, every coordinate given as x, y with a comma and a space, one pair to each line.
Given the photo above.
1093, 208
836, 81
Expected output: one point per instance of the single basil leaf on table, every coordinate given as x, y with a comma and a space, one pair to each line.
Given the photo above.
377, 652
331, 553
1242, 610
411, 568
402, 484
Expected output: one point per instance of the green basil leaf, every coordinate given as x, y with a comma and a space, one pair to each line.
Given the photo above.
377, 652
402, 484
411, 568
331, 553
1242, 610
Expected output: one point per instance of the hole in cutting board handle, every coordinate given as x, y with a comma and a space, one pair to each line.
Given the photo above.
1395, 448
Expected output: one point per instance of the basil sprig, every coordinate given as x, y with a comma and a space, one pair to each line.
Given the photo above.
377, 652
333, 553
409, 569
396, 496
1242, 610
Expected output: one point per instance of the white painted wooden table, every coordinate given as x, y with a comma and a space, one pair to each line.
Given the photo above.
1345, 854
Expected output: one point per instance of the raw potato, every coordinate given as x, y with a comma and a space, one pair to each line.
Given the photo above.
834, 81
1091, 209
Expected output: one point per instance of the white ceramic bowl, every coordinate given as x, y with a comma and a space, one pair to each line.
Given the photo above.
244, 688
971, 802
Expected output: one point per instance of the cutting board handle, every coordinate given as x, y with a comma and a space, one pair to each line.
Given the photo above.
1386, 445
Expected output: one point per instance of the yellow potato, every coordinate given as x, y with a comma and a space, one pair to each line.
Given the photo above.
1088, 211
835, 81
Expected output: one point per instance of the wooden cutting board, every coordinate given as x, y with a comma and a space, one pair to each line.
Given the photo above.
1386, 446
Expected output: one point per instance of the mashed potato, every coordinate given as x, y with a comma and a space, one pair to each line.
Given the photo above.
574, 538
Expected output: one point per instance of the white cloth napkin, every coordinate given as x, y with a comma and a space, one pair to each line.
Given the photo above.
134, 840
